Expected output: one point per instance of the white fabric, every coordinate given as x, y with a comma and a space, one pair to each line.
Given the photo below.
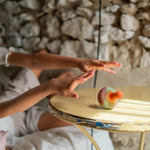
7, 124
24, 122
4, 53
62, 138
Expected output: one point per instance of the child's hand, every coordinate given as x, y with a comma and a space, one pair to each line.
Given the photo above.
66, 83
86, 65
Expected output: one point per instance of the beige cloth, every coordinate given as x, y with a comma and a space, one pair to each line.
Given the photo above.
24, 122
4, 53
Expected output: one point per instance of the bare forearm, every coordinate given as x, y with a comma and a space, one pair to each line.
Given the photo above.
25, 100
20, 59
62, 85
43, 61
52, 61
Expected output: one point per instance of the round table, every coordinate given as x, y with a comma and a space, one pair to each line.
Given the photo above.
132, 113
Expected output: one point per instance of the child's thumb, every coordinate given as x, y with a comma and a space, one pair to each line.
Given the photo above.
75, 95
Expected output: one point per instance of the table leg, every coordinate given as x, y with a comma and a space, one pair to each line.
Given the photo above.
142, 141
89, 136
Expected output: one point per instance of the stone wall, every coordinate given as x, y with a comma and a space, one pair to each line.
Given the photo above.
70, 28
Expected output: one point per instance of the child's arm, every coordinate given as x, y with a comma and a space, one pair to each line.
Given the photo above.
63, 85
52, 61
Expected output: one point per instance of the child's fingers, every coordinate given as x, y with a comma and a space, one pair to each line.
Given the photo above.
81, 79
68, 93
86, 74
75, 95
111, 64
109, 70
96, 66
99, 65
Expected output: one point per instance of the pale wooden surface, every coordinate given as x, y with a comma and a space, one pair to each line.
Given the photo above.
131, 114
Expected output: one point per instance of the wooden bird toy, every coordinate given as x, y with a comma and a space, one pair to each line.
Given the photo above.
108, 97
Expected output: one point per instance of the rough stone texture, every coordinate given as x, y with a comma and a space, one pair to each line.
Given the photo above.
143, 16
52, 26
14, 41
134, 1
30, 4
43, 43
86, 3
145, 41
122, 55
64, 20
62, 3
104, 51
130, 9
2, 30
68, 14
13, 30
54, 46
70, 48
77, 28
49, 6
30, 29
145, 60
129, 22
84, 12
30, 44
144, 4
89, 49
123, 142
12, 7
109, 33
3, 14
146, 30
25, 17
1, 41
112, 8
107, 18
2, 1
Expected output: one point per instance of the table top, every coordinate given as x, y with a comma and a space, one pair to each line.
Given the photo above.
132, 113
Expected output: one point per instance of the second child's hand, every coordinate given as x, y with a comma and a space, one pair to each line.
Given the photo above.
86, 65
67, 82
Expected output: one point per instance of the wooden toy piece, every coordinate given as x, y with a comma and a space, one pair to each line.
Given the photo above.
108, 97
